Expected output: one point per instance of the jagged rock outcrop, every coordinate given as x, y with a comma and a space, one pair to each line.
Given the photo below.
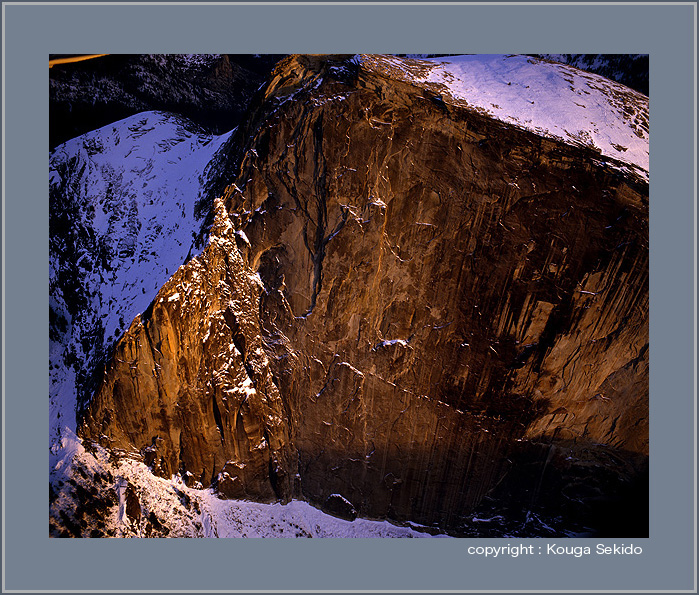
404, 303
189, 384
128, 205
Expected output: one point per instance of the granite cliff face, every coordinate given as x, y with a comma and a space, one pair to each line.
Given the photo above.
407, 309
190, 387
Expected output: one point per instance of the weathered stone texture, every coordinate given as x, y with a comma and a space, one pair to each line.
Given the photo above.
435, 289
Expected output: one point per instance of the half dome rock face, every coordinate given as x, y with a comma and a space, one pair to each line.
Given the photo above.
412, 306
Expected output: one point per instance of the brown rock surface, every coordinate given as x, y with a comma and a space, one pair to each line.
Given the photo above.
420, 296
189, 387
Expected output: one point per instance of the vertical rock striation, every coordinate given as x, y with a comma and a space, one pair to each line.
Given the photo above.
402, 301
189, 387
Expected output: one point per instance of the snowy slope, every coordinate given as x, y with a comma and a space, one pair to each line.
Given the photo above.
123, 219
553, 100
179, 511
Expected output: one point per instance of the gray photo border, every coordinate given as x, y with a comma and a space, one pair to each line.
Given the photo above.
33, 562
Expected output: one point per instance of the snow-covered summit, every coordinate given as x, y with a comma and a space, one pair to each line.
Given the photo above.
553, 100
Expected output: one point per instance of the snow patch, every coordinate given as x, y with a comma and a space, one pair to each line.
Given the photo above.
352, 368
388, 343
248, 388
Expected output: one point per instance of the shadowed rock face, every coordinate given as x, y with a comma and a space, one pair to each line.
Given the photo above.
403, 303
211, 90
